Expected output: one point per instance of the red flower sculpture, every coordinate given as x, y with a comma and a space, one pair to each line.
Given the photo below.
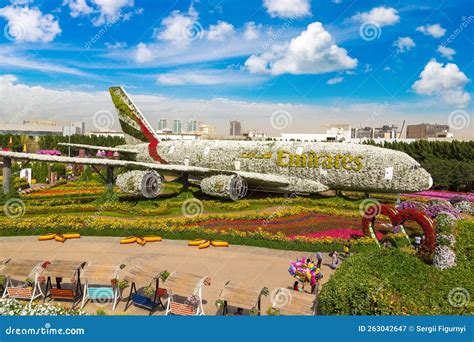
425, 223
368, 219
398, 218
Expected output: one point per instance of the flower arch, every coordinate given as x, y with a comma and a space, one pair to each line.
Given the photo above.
372, 212
426, 223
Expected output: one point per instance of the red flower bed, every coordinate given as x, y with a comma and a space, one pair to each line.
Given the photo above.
291, 225
341, 233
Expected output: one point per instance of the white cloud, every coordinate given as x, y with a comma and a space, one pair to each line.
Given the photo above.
115, 45
252, 31
29, 24
404, 44
335, 80
220, 31
445, 81
102, 11
143, 53
208, 77
312, 52
446, 52
73, 105
10, 59
78, 7
382, 16
180, 28
110, 10
287, 8
435, 30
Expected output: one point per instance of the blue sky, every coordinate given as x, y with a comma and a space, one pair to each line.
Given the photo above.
413, 58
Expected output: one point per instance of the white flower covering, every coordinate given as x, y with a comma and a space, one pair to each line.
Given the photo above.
146, 183
12, 307
446, 237
465, 207
262, 157
444, 257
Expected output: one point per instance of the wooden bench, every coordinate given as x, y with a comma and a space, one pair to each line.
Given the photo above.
20, 292
182, 309
62, 294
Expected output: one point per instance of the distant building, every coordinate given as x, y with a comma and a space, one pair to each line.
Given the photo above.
162, 124
256, 135
106, 134
74, 128
177, 126
384, 132
235, 128
424, 131
192, 126
38, 128
206, 129
168, 135
362, 133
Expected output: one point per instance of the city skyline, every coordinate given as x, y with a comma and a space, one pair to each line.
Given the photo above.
276, 66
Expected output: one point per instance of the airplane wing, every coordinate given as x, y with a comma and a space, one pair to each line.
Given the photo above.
103, 148
168, 169
253, 178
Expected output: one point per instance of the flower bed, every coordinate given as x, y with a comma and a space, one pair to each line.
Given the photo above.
13, 307
440, 194
340, 233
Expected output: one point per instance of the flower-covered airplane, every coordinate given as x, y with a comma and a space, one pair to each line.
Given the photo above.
227, 169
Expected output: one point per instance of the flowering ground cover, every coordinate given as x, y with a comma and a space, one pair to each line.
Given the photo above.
441, 194
340, 233
300, 224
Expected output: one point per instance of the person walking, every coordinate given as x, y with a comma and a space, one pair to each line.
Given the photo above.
319, 256
417, 242
335, 260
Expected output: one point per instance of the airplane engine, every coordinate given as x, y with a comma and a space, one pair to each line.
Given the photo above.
224, 186
145, 183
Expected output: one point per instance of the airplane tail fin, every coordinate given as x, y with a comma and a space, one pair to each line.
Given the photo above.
134, 125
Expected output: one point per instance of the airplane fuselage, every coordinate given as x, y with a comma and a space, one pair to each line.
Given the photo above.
343, 166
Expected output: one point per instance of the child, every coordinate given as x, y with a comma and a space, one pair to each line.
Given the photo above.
295, 286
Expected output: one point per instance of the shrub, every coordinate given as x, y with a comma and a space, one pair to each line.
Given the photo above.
390, 281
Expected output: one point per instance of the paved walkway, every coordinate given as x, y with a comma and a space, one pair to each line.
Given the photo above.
253, 265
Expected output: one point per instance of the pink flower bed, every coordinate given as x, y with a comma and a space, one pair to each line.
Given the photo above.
340, 233
441, 194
